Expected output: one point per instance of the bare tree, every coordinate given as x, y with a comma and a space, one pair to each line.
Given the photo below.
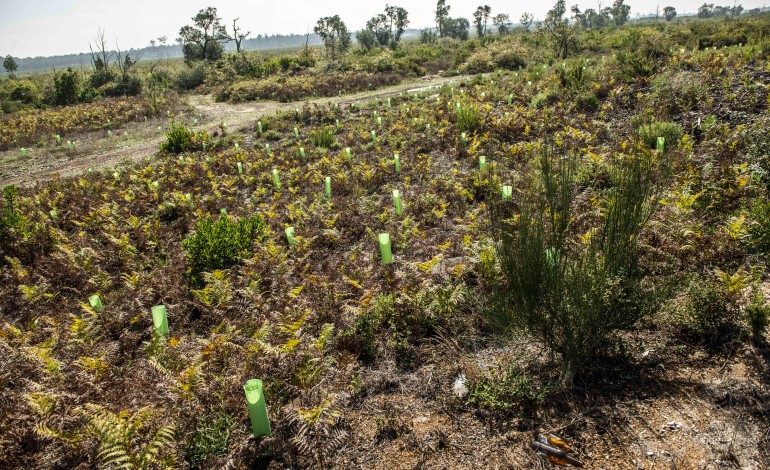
526, 20
238, 37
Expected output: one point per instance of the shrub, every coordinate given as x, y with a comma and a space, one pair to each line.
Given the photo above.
26, 92
759, 230
587, 101
211, 437
468, 118
323, 137
503, 54
706, 311
649, 133
67, 87
191, 77
573, 295
757, 316
10, 217
505, 389
219, 245
180, 138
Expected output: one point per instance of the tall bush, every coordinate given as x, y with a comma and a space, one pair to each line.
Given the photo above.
573, 295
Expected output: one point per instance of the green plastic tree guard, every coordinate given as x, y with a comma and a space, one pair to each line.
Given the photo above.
296, 133
160, 320
379, 122
389, 104
482, 162
223, 212
96, 302
109, 133
660, 144
385, 251
290, 236
510, 99
276, 180
259, 126
255, 400
181, 159
397, 201
328, 187
240, 168
374, 137
507, 193
464, 139
348, 154
267, 149
302, 152
125, 135
337, 123
54, 214
397, 163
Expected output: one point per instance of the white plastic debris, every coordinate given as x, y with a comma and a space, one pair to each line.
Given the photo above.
459, 387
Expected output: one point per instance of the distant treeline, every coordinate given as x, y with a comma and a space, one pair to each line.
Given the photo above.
34, 64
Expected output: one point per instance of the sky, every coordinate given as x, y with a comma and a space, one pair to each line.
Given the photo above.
31, 28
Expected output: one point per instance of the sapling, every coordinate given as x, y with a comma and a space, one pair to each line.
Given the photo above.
160, 320
109, 134
125, 135
23, 151
510, 99
54, 214
385, 250
255, 400
290, 236
58, 139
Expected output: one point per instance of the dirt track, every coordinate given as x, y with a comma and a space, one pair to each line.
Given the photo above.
97, 151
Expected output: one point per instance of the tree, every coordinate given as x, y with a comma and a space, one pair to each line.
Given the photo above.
366, 39
334, 34
10, 66
562, 35
100, 60
736, 9
706, 10
442, 14
389, 27
669, 13
480, 18
526, 20
502, 22
620, 12
457, 28
238, 37
203, 40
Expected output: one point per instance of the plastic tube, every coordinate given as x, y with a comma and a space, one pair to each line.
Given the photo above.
328, 187
160, 320
290, 236
385, 251
96, 302
276, 180
255, 400
397, 201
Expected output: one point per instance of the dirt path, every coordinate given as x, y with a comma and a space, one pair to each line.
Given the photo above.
95, 150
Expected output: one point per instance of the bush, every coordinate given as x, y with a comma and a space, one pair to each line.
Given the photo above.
211, 437
706, 311
67, 87
503, 54
649, 133
573, 295
505, 390
468, 118
191, 77
757, 316
219, 245
180, 138
323, 137
587, 101
759, 230
26, 92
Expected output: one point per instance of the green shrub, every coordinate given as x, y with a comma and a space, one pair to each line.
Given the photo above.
67, 87
468, 118
543, 99
759, 230
649, 133
211, 437
180, 138
323, 137
503, 54
219, 245
26, 92
506, 389
587, 101
191, 77
757, 316
706, 311
573, 295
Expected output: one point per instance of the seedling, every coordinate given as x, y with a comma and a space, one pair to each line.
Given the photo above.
276, 180
160, 320
290, 236
255, 400
385, 251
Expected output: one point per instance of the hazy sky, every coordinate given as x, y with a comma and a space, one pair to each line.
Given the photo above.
53, 27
